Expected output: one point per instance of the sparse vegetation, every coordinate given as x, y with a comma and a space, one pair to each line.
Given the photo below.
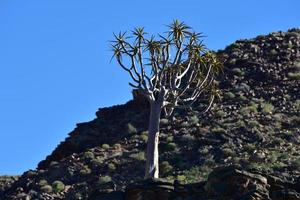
46, 189
104, 179
105, 146
131, 129
140, 156
58, 186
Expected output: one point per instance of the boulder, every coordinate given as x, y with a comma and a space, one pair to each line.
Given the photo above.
234, 183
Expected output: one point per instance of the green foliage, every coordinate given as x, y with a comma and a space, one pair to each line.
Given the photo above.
204, 151
297, 64
296, 164
104, 179
58, 186
253, 123
164, 121
249, 109
193, 120
273, 52
294, 75
98, 161
105, 146
237, 71
131, 129
85, 170
43, 182
250, 147
195, 174
140, 156
228, 152
144, 136
229, 95
187, 138
117, 146
218, 130
88, 155
165, 167
220, 114
46, 189
241, 98
297, 104
171, 146
170, 139
267, 108
111, 167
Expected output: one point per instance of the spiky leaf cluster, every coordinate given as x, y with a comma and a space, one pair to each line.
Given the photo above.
177, 63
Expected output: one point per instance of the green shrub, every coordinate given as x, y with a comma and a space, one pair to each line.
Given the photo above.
297, 64
204, 151
171, 146
85, 170
88, 155
104, 180
97, 161
218, 130
249, 109
297, 104
178, 160
193, 120
187, 138
253, 123
131, 129
144, 136
181, 178
170, 139
237, 71
140, 156
220, 114
164, 121
241, 98
58, 186
165, 167
46, 189
43, 182
267, 108
195, 174
243, 87
117, 146
250, 147
296, 164
229, 95
228, 152
294, 76
105, 146
111, 167
273, 52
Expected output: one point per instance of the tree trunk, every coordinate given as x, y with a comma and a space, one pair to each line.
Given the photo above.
152, 163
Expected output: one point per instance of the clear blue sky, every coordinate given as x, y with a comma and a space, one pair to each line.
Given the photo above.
54, 59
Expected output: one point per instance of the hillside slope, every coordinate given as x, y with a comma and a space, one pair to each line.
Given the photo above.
255, 126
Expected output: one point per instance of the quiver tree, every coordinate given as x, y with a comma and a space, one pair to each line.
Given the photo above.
170, 71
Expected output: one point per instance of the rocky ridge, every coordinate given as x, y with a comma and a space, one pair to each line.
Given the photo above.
255, 127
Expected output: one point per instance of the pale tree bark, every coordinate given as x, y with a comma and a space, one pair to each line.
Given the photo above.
152, 164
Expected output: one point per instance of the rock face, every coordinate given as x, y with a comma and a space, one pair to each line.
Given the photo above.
224, 183
237, 184
255, 127
5, 183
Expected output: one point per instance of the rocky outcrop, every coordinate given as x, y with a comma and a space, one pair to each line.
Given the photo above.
255, 126
5, 183
226, 183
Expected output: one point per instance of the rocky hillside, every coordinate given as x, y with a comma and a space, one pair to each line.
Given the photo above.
254, 127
